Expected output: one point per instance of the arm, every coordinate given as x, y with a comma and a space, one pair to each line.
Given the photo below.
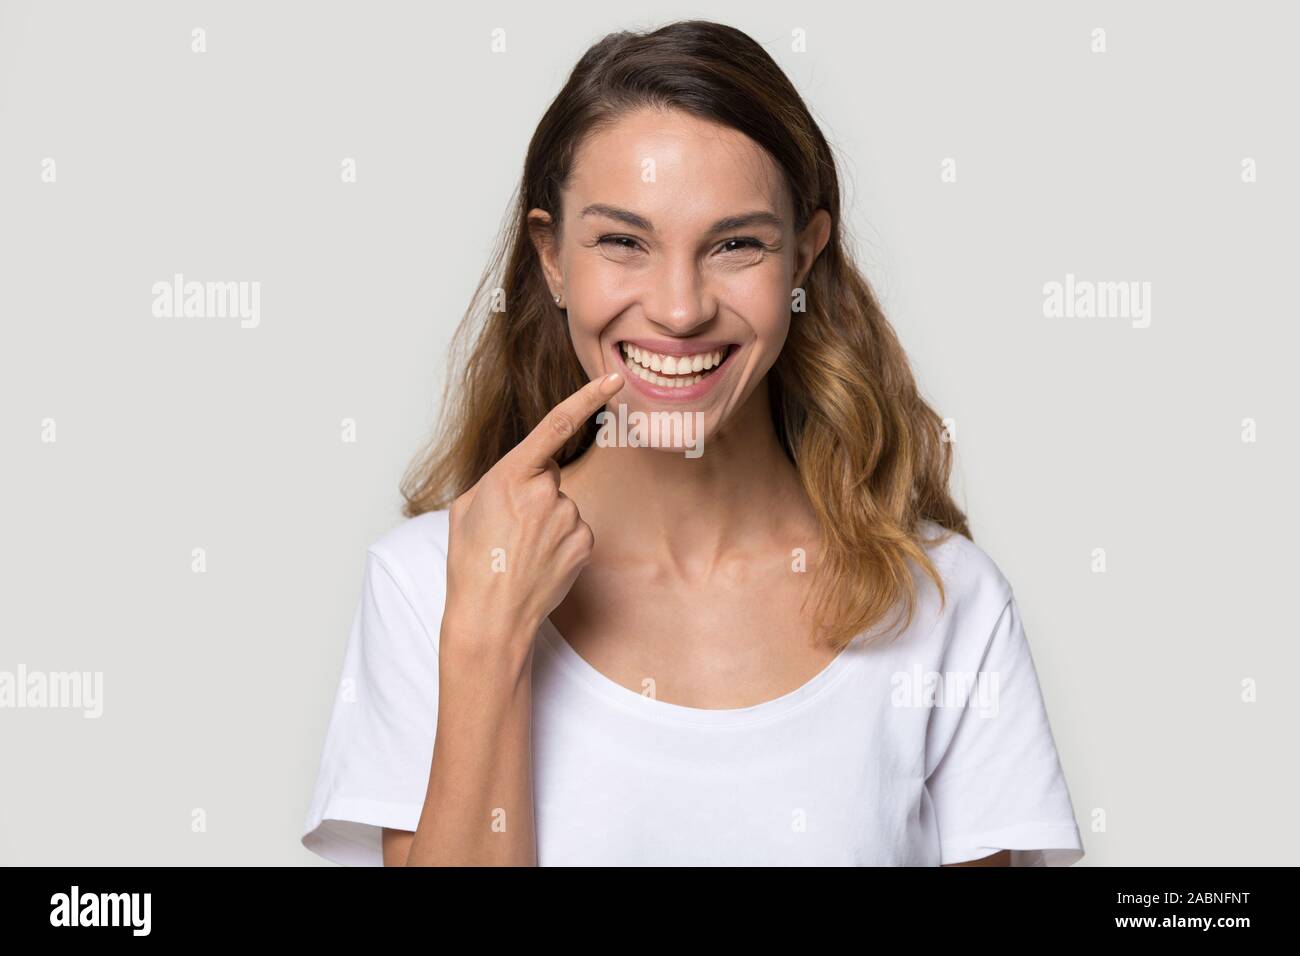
478, 809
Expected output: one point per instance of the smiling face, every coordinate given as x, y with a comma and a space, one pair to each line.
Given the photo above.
676, 262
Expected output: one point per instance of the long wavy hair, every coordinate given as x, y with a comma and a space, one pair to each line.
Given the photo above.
871, 454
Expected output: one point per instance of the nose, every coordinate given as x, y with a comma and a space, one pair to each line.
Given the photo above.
678, 299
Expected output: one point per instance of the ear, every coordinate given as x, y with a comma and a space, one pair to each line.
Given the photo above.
810, 243
541, 230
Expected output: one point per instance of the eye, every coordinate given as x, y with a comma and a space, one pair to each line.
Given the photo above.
621, 243
744, 250
737, 247
746, 242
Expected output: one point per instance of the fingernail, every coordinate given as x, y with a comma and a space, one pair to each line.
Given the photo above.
612, 379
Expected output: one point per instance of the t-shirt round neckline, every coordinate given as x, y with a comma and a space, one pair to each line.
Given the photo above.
655, 709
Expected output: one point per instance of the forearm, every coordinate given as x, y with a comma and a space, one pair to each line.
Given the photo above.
478, 810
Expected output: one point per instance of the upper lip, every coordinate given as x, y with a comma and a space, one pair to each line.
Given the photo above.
678, 346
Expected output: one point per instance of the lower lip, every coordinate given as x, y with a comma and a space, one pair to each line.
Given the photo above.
669, 393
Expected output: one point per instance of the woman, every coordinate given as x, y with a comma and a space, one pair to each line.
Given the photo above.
764, 639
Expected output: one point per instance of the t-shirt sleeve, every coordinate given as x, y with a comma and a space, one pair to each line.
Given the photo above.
374, 768
998, 783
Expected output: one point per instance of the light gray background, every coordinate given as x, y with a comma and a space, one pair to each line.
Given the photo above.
1072, 434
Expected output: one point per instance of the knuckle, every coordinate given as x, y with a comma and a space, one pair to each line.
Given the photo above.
562, 424
537, 492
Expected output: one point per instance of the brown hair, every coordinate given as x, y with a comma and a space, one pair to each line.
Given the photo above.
870, 452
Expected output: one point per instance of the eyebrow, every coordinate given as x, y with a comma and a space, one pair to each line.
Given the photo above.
757, 218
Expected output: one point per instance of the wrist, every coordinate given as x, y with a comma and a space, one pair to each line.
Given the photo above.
485, 646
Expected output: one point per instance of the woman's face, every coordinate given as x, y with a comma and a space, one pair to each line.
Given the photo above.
677, 261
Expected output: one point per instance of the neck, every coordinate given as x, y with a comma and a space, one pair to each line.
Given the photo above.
741, 495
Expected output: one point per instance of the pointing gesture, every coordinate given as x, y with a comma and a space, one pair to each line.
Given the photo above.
560, 424
516, 543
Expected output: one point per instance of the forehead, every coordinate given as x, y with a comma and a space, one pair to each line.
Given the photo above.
676, 169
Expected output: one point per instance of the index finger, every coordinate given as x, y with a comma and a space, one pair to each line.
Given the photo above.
563, 421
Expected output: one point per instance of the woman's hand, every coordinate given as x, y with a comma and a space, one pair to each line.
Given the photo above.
516, 542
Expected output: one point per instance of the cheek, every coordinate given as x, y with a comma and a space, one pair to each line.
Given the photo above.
763, 301
585, 330
762, 290
603, 291
587, 346
593, 280
594, 297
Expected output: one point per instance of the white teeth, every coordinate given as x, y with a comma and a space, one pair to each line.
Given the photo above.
680, 381
679, 367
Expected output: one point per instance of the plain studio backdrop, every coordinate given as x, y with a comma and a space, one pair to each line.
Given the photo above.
986, 152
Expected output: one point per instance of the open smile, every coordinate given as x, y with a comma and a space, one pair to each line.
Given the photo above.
674, 370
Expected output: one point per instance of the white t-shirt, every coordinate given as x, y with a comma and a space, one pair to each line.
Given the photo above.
932, 749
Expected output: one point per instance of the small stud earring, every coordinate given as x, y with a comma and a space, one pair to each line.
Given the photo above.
557, 300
